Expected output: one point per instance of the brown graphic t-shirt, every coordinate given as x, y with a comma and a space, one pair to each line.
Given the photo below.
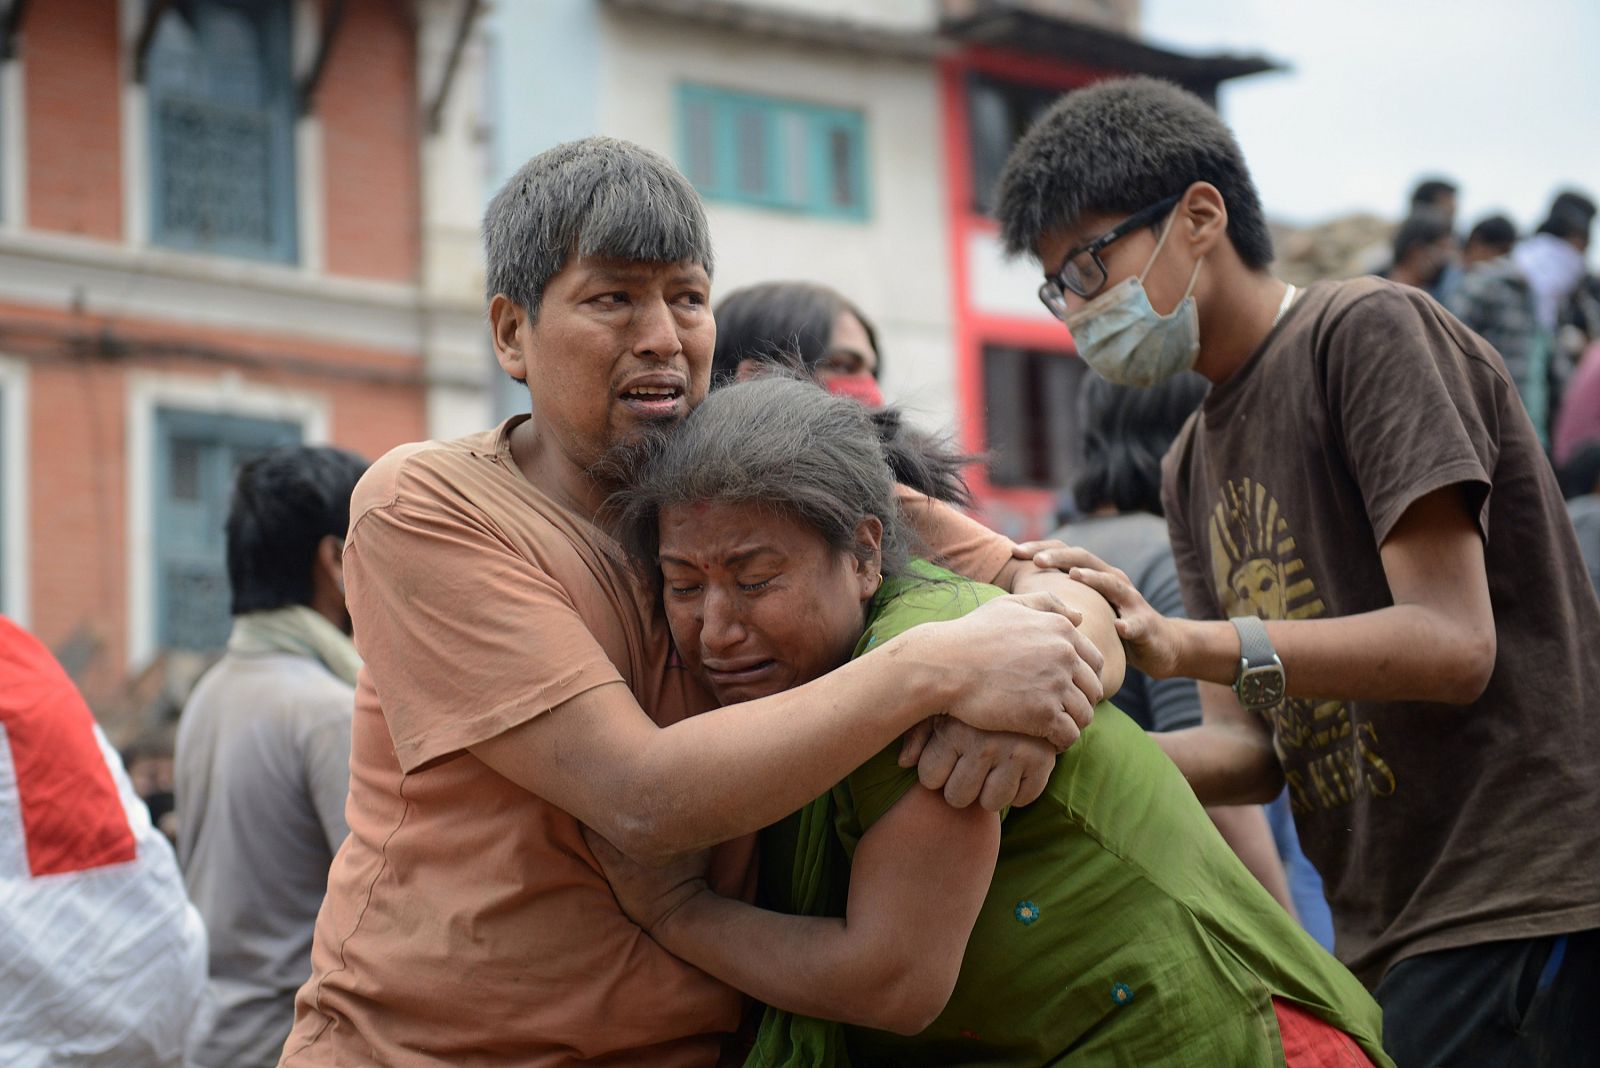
1433, 825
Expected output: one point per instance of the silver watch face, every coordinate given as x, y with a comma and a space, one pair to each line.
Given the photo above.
1260, 687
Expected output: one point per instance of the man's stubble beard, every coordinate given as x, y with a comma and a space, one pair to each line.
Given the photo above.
614, 468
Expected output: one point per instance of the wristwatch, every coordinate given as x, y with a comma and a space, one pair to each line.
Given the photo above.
1259, 683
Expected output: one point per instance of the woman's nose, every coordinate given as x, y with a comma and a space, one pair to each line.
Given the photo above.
721, 628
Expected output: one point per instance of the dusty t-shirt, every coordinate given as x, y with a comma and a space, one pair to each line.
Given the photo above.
466, 921
1433, 825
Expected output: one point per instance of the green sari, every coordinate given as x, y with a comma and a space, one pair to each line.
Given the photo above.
1119, 928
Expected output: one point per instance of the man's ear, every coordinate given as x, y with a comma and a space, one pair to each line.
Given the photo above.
330, 561
508, 323
869, 555
1205, 217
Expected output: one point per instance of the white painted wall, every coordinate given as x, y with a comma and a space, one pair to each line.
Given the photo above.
1001, 286
895, 264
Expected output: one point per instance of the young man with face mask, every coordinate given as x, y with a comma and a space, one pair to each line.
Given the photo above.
1387, 602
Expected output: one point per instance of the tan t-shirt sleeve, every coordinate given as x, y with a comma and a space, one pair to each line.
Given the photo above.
462, 637
963, 544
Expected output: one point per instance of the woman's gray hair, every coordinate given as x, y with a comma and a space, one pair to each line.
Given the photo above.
594, 197
788, 445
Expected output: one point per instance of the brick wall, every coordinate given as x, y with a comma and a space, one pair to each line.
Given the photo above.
78, 448
72, 93
369, 112
367, 106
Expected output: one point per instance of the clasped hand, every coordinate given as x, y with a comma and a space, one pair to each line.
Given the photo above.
1027, 683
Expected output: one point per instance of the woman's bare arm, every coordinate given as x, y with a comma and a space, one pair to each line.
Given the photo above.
918, 880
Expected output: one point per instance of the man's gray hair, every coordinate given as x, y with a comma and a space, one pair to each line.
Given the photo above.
594, 197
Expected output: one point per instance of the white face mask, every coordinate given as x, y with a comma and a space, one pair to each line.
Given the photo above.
1127, 341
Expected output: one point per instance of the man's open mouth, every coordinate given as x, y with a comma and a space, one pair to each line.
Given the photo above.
655, 399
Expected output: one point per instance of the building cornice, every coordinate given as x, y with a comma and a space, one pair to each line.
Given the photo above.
80, 274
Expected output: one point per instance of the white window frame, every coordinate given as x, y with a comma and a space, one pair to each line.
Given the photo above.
14, 149
14, 489
229, 394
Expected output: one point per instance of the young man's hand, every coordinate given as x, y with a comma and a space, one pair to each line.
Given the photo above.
1153, 642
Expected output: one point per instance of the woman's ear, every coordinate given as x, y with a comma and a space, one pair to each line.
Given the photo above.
868, 556
749, 369
507, 321
1206, 217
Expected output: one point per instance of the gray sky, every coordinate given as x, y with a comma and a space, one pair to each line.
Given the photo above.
1501, 96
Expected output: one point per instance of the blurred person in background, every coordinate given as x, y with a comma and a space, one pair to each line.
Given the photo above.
1436, 195
1553, 259
148, 760
1118, 498
1578, 421
263, 755
1494, 236
836, 343
1439, 196
1496, 301
1424, 246
1580, 483
102, 958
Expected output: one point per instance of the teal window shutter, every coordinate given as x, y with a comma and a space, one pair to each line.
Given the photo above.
769, 152
221, 129
197, 458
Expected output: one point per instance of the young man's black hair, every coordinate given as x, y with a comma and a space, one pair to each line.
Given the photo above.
1116, 148
284, 503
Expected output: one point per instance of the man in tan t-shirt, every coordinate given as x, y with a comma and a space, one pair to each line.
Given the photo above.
519, 678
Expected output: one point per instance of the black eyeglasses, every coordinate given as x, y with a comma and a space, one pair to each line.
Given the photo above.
1083, 272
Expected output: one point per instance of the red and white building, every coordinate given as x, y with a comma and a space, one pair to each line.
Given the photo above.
855, 143
224, 225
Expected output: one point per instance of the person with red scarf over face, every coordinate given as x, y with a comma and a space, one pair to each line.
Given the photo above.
774, 322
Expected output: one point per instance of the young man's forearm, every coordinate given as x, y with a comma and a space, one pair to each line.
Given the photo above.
1401, 653
1224, 765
